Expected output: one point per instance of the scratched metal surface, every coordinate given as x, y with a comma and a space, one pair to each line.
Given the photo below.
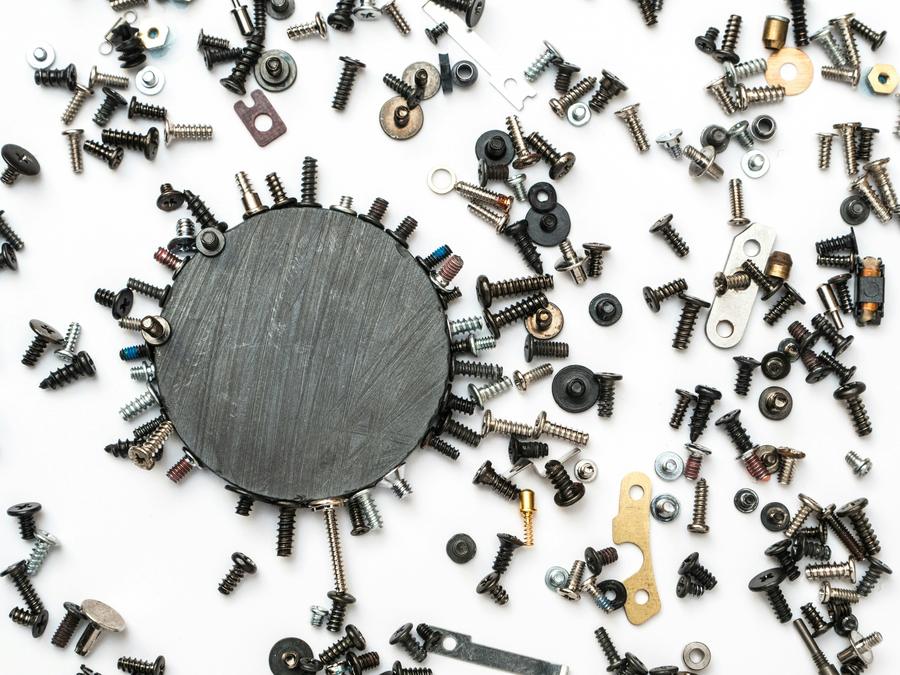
307, 359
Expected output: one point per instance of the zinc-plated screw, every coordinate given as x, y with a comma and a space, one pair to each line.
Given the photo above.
488, 391
304, 30
825, 39
847, 74
735, 72
571, 262
542, 62
395, 481
44, 543
629, 115
719, 91
845, 31
73, 140
861, 467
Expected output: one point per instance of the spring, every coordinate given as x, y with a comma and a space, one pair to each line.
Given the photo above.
870, 580
864, 143
463, 433
581, 89
701, 497
75, 104
539, 65
648, 10
67, 627
607, 399
235, 82
732, 34
690, 312
606, 644
443, 447
148, 111
798, 19
518, 233
470, 324
20, 580
635, 128
285, 540
851, 49
345, 83
396, 17
749, 68
865, 533
129, 46
39, 553
134, 352
181, 469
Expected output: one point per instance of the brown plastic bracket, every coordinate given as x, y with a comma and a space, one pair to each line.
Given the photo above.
632, 526
249, 114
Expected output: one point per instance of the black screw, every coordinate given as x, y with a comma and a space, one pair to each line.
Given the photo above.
847, 262
490, 585
112, 101
731, 422
685, 400
431, 440
486, 475
134, 352
706, 398
204, 217
357, 664
309, 180
245, 500
404, 89
826, 329
798, 21
845, 373
342, 17
57, 77
560, 163
82, 365
555, 349
511, 313
609, 87
654, 297
120, 303
345, 83
242, 565
769, 582
204, 40
287, 514
404, 637
865, 533
786, 553
850, 394
139, 667
435, 33
607, 399
616, 662
842, 532
404, 230
146, 143
67, 626
871, 35
519, 450
789, 298
690, 312
24, 513
18, 575
339, 603
841, 286
707, 43
145, 110
564, 73
235, 82
376, 212
816, 621
431, 637
19, 162
508, 546
568, 492
664, 228
466, 434
870, 580
746, 366
113, 156
353, 639
692, 568
211, 57
766, 285
597, 560
44, 335
687, 586
472, 9
169, 198
151, 291
518, 232
486, 371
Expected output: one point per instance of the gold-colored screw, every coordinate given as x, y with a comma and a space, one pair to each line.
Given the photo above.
527, 509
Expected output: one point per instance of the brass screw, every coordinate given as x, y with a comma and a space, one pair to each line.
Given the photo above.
527, 509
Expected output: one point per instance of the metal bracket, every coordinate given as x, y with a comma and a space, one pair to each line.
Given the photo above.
460, 646
730, 313
632, 526
510, 83
249, 114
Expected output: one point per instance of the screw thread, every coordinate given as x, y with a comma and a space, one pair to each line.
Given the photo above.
859, 465
134, 352
462, 432
579, 90
565, 433
244, 505
861, 422
609, 649
276, 191
681, 407
396, 17
146, 289
780, 308
75, 104
146, 454
105, 112
70, 342
883, 181
345, 85
608, 88
701, 497
190, 132
674, 240
285, 540
137, 666
848, 39
231, 581
779, 604
736, 199
829, 571
825, 144
76, 157
108, 153
566, 489
56, 77
648, 9
493, 390
744, 378
18, 576
865, 533
136, 406
444, 448
522, 380
635, 127
66, 629
521, 309
576, 575
539, 65
81, 365
843, 533
690, 312
235, 82
168, 259
506, 427
869, 581
146, 110
181, 469
867, 192
525, 246
723, 98
607, 400
488, 371
39, 552
839, 261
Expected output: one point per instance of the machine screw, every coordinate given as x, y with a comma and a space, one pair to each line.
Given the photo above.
339, 603
769, 582
823, 666
690, 312
542, 62
560, 163
67, 626
654, 297
703, 163
155, 292
607, 399
571, 262
572, 589
629, 115
850, 394
610, 86
304, 30
701, 495
113, 156
706, 398
139, 667
664, 228
568, 492
846, 74
487, 475
861, 467
736, 199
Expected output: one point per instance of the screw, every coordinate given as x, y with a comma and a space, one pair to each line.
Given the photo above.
616, 662
145, 110
735, 72
746, 366
67, 626
520, 450
74, 138
747, 96
815, 620
655, 296
844, 30
581, 89
698, 522
304, 30
523, 156
861, 467
404, 637
139, 667
571, 262
490, 585
847, 132
542, 62
729, 40
57, 77
568, 492
571, 591
329, 514
18, 576
508, 546
664, 228
609, 87
845, 570
527, 509
703, 163
848, 75
519, 234
719, 91
544, 426
161, 295
870, 35
769, 582
706, 398
235, 82
789, 298
850, 394
685, 399
512, 313
487, 291
825, 143
560, 163
145, 455
24, 513
490, 424
474, 345
111, 155
522, 380
112, 100
607, 398
629, 115
690, 312
871, 577
67, 351
79, 97
81, 365
878, 170
487, 475
829, 517
395, 480
178, 471
342, 17
856, 512
829, 593
242, 565
435, 33
396, 17
822, 664
867, 192
349, 71
687, 586
860, 650
788, 466
825, 39
864, 143
186, 132
595, 251
707, 43
147, 143
736, 199
671, 141
808, 506
120, 303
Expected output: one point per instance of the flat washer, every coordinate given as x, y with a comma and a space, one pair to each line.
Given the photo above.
755, 163
796, 58
549, 229
542, 197
150, 80
688, 656
665, 508
413, 126
41, 55
461, 548
285, 655
546, 323
432, 84
276, 70
605, 309
432, 185
775, 516
578, 114
465, 73
669, 465
746, 500
575, 389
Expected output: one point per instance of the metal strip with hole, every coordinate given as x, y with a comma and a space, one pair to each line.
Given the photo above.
463, 649
510, 83
632, 526
734, 308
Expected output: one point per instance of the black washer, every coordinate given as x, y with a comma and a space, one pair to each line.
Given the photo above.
715, 136
605, 309
776, 365
775, 516
854, 210
461, 548
465, 74
495, 147
285, 655
575, 389
549, 229
746, 500
446, 73
617, 588
542, 197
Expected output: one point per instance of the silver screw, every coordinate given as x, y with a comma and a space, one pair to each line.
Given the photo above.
76, 157
861, 467
825, 39
75, 103
187, 132
488, 391
68, 350
522, 380
44, 543
542, 62
825, 142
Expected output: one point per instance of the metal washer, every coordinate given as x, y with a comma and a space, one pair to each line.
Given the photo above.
150, 80
578, 114
669, 465
432, 185
386, 117
281, 81
582, 379
695, 664
557, 320
755, 163
41, 55
432, 84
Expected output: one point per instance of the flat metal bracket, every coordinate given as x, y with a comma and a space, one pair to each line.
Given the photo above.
510, 83
460, 646
249, 114
730, 313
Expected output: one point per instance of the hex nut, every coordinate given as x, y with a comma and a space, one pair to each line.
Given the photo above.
882, 79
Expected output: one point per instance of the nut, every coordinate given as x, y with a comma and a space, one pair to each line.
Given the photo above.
882, 79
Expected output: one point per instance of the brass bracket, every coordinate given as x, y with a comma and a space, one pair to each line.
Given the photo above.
632, 526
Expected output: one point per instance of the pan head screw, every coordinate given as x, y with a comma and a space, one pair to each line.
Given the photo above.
19, 162
25, 513
241, 566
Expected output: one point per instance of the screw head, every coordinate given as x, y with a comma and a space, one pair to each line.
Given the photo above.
767, 580
709, 393
46, 331
662, 223
486, 584
23, 509
243, 562
356, 637
151, 143
852, 508
342, 598
849, 391
400, 633
810, 503
20, 159
562, 166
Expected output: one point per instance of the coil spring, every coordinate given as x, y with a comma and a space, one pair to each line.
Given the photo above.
487, 371
129, 46
285, 541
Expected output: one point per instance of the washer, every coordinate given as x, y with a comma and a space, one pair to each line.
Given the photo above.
755, 163
433, 186
775, 403
746, 500
549, 229
150, 80
465, 73
432, 84
578, 114
542, 197
690, 650
556, 577
494, 147
669, 465
605, 309
276, 70
286, 654
665, 508
775, 516
41, 55
388, 117
546, 323
796, 58
461, 548
575, 389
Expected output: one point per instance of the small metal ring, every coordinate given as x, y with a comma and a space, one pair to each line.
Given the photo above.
148, 89
665, 508
130, 16
586, 470
763, 127
578, 114
755, 164
669, 465
105, 48
34, 59
746, 500
556, 577
692, 663
434, 187
465, 73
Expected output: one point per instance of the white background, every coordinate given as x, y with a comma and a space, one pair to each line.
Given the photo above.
156, 551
